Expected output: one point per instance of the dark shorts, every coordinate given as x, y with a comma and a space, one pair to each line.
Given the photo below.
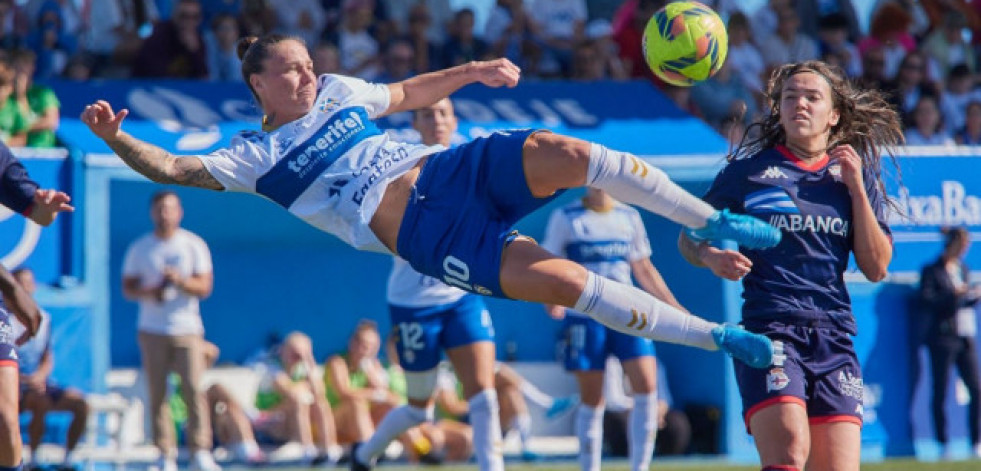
588, 343
8, 347
51, 391
424, 333
821, 372
461, 214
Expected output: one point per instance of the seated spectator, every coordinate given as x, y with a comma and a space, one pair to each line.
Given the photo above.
176, 47
557, 25
79, 67
874, 69
116, 30
833, 38
508, 33
889, 29
928, 128
811, 12
629, 38
959, 93
13, 26
946, 45
359, 390
51, 41
600, 33
326, 59
788, 44
292, 404
723, 95
426, 51
359, 50
911, 83
257, 18
462, 46
744, 57
397, 62
39, 103
223, 62
14, 124
970, 134
39, 394
766, 19
303, 18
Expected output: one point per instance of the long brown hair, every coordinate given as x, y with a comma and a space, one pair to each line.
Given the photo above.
867, 121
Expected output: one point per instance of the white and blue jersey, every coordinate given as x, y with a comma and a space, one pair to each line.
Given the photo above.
801, 280
606, 243
330, 168
430, 316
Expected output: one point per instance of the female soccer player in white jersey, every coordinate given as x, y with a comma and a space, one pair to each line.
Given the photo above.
814, 171
449, 213
609, 239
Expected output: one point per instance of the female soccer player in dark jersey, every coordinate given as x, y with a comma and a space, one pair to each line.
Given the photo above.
813, 171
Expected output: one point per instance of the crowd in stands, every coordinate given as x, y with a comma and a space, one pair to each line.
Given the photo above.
924, 53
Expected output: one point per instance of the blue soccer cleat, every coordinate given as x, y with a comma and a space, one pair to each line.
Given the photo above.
746, 230
752, 349
560, 405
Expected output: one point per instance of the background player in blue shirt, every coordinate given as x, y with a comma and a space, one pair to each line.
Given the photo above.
813, 172
21, 194
449, 213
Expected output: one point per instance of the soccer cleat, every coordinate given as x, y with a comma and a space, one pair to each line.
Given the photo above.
752, 349
355, 464
746, 230
561, 405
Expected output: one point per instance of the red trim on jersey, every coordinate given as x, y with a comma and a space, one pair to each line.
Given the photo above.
827, 419
12, 363
780, 467
769, 402
810, 167
27, 211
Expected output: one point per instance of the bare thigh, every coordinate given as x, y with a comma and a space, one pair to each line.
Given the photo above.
782, 434
531, 273
553, 162
835, 446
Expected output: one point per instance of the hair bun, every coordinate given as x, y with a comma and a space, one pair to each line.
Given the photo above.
244, 44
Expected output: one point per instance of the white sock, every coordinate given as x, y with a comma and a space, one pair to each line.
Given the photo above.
643, 430
245, 450
535, 395
485, 419
310, 452
396, 421
632, 311
522, 423
589, 429
631, 180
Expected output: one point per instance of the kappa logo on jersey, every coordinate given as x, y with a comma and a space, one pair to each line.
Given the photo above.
776, 380
773, 172
770, 200
13, 355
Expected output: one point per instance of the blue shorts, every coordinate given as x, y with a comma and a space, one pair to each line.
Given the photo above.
52, 391
821, 373
423, 333
461, 214
8, 346
588, 343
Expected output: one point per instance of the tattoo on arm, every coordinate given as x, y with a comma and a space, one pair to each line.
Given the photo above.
162, 166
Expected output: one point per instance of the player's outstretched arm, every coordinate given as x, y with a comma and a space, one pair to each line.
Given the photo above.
47, 204
19, 302
147, 159
426, 89
728, 264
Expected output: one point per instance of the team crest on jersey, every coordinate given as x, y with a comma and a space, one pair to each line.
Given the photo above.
328, 104
776, 380
772, 172
835, 170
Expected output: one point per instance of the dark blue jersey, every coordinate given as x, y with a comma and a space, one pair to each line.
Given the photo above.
16, 187
801, 280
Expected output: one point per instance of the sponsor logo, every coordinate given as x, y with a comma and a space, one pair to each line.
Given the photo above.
382, 161
952, 207
770, 200
850, 385
859, 410
337, 133
638, 167
598, 251
773, 172
808, 223
776, 380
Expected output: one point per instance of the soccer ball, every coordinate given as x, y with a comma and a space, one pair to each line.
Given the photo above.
685, 42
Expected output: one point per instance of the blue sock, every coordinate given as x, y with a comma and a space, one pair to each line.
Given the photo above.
12, 468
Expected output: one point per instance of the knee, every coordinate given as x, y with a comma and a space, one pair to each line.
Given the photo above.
568, 282
557, 146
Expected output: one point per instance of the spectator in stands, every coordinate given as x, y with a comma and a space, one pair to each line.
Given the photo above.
302, 18
21, 195
13, 26
557, 25
874, 69
919, 20
766, 19
176, 47
79, 67
14, 123
959, 93
168, 271
292, 404
51, 41
600, 33
889, 29
398, 61
427, 52
949, 298
508, 33
37, 102
461, 45
911, 84
970, 134
116, 30
359, 50
326, 59
744, 57
39, 394
927, 124
947, 47
673, 427
833, 38
788, 44
358, 388
256, 17
223, 62
630, 39
724, 95
812, 12
69, 11
937, 11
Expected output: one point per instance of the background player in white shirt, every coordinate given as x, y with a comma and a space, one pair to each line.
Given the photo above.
451, 216
609, 239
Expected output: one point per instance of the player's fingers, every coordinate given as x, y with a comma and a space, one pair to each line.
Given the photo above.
123, 113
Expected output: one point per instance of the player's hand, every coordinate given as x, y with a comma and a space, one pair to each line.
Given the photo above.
851, 166
728, 264
496, 73
47, 205
555, 311
102, 120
